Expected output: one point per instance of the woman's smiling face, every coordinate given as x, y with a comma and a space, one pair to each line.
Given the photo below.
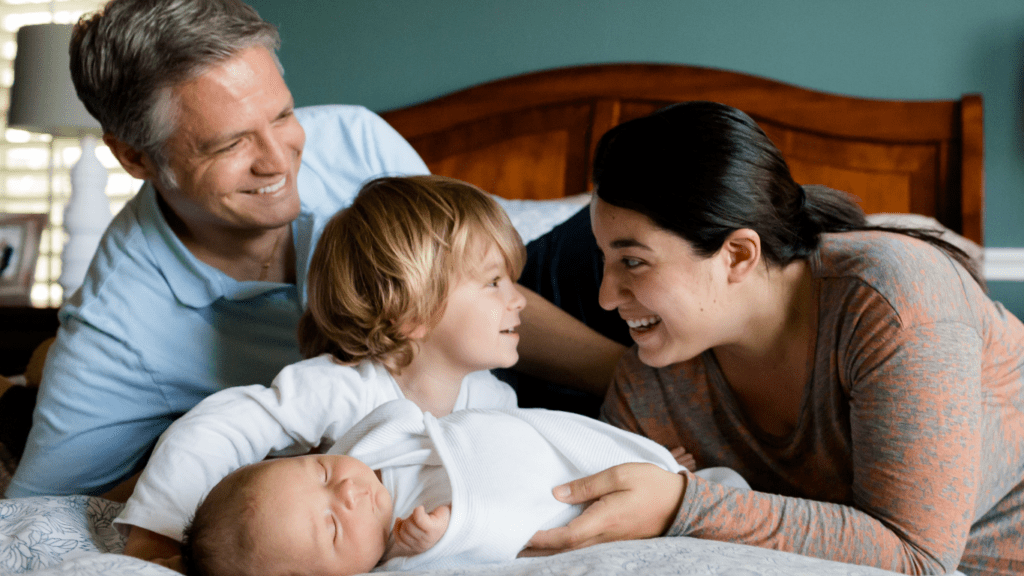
668, 295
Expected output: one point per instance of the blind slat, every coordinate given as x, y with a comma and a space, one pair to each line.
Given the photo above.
25, 185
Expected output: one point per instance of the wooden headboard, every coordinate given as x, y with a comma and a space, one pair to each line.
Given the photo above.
534, 135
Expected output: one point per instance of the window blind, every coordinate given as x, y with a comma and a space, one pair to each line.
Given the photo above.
26, 183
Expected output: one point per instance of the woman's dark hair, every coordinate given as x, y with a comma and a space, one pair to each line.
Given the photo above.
703, 170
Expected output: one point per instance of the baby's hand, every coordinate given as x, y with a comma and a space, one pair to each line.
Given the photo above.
684, 458
420, 531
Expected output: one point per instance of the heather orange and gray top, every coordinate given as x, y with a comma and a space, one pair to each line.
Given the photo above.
909, 450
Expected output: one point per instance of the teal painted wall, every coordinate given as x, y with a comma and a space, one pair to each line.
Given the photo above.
390, 53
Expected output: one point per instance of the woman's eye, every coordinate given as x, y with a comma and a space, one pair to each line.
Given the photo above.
631, 262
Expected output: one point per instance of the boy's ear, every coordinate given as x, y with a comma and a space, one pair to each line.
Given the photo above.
742, 250
414, 330
135, 162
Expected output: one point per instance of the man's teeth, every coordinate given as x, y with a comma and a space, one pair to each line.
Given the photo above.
643, 322
272, 187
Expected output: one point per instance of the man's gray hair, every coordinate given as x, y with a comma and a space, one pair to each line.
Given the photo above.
126, 59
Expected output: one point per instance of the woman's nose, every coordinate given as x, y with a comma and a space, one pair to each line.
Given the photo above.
609, 295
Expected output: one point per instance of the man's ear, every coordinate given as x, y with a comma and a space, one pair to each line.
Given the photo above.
742, 250
135, 162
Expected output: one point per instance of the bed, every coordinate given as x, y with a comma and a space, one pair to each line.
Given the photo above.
531, 139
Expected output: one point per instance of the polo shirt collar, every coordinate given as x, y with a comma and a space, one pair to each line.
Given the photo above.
194, 283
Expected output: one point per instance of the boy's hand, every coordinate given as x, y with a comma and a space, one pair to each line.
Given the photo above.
420, 531
684, 458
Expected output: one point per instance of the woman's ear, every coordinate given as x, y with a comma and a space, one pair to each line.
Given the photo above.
135, 162
742, 250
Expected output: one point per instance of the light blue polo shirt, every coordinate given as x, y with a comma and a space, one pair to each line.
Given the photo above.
153, 330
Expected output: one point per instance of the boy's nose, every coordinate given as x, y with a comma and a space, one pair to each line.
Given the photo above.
518, 300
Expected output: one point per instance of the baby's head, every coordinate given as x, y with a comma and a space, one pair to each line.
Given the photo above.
319, 514
388, 261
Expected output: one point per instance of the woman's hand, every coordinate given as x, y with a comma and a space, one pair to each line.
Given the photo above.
633, 501
684, 458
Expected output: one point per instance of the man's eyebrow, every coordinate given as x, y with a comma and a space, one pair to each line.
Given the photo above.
219, 141
216, 143
628, 243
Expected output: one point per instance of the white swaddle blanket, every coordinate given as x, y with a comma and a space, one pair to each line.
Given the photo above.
496, 467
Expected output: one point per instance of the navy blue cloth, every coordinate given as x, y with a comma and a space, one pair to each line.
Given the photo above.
564, 266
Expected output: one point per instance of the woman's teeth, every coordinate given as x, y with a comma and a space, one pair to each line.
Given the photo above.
272, 187
643, 323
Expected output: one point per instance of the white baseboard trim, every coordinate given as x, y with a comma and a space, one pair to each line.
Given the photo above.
1004, 264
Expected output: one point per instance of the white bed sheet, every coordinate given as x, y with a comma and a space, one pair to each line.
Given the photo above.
73, 535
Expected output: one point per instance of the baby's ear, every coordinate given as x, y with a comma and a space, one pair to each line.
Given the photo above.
174, 563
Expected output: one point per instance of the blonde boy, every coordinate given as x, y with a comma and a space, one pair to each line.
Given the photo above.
412, 295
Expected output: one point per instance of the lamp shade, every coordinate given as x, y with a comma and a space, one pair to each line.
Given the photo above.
43, 98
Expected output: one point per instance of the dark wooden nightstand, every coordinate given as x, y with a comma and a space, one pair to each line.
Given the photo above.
21, 330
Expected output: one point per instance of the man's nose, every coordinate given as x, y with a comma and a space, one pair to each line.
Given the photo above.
273, 156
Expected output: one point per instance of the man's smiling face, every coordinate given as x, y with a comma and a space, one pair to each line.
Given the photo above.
236, 149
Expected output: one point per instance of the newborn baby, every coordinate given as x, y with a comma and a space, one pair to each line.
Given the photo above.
485, 476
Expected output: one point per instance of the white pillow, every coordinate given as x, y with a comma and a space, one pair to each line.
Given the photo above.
534, 218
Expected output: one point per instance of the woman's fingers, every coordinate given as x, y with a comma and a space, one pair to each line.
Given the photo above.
591, 487
584, 530
633, 501
684, 458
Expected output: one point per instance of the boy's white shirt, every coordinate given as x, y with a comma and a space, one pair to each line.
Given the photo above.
310, 403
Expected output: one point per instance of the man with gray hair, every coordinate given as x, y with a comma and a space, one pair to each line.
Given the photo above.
199, 281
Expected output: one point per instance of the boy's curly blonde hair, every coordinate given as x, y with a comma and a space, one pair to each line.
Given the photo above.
384, 265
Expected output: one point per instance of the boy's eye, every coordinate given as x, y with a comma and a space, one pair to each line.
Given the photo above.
494, 281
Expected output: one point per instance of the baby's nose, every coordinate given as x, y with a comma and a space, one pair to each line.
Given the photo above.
349, 492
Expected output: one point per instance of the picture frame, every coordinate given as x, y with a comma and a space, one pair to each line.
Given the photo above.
19, 250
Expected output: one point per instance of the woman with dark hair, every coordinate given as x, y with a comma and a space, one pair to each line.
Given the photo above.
859, 377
